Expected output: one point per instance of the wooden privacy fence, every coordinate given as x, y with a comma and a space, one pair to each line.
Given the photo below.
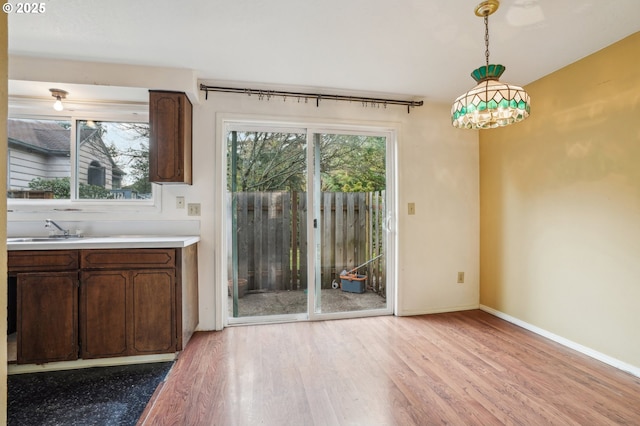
272, 238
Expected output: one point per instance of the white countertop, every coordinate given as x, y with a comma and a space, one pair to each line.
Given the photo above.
124, 241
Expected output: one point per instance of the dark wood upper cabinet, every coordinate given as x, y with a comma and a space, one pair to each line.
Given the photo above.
170, 122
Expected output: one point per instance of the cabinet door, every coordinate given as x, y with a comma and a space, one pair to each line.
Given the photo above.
103, 313
170, 137
48, 320
154, 311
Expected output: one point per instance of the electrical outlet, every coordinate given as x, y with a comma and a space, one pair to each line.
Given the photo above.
412, 208
179, 202
193, 209
460, 277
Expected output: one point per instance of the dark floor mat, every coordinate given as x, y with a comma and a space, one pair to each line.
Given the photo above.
90, 396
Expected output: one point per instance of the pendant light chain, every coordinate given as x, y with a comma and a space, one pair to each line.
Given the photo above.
486, 38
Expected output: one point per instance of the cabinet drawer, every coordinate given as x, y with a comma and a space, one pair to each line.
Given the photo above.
127, 259
42, 260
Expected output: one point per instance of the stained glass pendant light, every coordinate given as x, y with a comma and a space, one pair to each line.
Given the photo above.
491, 103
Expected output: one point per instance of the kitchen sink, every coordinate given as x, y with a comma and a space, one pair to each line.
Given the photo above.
41, 239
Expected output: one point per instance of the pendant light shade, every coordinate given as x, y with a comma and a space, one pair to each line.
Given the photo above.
490, 103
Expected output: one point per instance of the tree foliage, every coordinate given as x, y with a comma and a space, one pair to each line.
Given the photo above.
61, 189
135, 159
277, 162
140, 169
357, 166
267, 161
59, 186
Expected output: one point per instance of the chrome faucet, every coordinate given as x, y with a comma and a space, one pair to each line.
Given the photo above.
49, 222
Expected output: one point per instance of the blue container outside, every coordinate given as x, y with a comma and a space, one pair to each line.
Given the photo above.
353, 283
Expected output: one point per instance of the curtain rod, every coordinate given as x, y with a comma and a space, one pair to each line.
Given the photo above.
306, 96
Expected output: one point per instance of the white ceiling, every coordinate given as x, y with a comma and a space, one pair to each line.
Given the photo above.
422, 48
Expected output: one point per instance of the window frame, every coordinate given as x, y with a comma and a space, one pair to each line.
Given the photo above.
74, 203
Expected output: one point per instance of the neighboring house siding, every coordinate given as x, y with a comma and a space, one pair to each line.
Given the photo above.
41, 149
26, 166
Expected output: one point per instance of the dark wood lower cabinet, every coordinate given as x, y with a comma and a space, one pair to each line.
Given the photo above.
103, 314
115, 302
153, 316
128, 312
47, 308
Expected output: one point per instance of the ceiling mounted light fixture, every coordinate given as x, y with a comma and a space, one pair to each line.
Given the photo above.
59, 95
491, 103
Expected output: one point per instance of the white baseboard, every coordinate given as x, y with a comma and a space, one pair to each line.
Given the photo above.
566, 342
410, 313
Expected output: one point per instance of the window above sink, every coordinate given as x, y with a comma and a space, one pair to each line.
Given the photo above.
108, 161
91, 156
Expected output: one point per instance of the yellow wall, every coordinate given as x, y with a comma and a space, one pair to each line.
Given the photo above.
560, 206
3, 214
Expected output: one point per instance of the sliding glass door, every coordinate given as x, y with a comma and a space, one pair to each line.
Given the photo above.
266, 186
306, 224
350, 201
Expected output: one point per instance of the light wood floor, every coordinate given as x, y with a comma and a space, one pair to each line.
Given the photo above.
463, 368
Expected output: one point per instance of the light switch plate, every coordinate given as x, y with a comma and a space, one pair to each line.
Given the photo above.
193, 209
